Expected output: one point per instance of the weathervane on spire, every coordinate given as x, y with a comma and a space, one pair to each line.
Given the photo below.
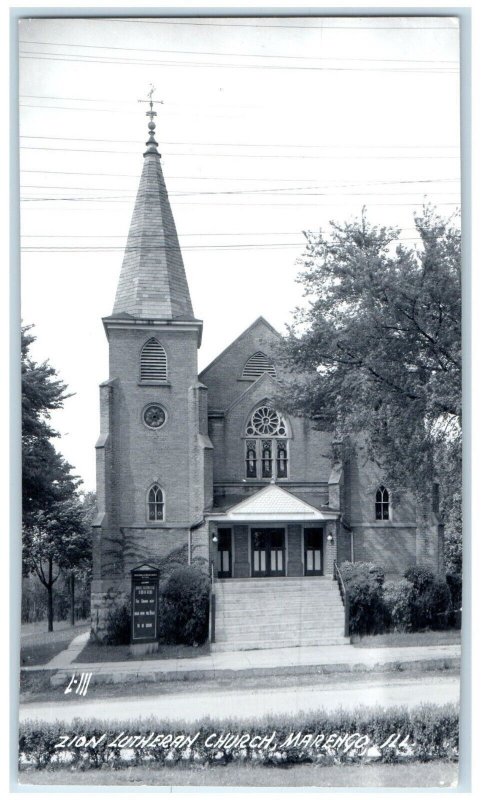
151, 143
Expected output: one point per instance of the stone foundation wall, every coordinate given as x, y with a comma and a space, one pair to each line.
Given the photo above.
106, 597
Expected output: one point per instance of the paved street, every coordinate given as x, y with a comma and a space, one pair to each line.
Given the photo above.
255, 703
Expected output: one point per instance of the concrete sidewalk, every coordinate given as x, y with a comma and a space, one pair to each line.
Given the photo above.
288, 660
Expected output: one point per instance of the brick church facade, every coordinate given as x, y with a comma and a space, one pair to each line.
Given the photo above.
206, 464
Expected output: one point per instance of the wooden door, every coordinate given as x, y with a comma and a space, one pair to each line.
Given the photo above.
313, 551
268, 552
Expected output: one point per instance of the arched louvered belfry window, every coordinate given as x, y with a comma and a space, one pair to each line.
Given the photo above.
382, 503
256, 365
155, 503
153, 361
266, 444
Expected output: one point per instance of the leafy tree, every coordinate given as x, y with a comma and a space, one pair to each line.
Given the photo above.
56, 532
377, 349
46, 476
56, 539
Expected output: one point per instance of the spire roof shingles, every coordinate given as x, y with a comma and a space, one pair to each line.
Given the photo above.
152, 283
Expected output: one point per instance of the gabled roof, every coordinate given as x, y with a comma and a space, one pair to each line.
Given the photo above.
272, 504
152, 283
265, 378
259, 321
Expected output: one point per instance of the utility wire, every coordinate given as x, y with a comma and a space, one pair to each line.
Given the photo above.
232, 155
235, 55
251, 144
66, 57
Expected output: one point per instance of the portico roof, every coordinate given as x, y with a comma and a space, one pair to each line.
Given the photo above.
274, 504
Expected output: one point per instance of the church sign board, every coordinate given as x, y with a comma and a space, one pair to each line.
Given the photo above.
145, 601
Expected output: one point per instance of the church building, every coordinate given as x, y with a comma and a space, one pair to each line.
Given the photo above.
206, 465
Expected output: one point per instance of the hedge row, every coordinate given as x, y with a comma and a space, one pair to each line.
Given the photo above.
390, 735
417, 602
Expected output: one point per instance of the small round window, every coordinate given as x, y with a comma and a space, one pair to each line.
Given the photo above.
154, 416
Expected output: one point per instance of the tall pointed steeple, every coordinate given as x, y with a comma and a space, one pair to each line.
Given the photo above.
152, 283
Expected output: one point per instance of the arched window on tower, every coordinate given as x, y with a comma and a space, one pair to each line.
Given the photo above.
266, 443
155, 504
153, 361
382, 503
256, 365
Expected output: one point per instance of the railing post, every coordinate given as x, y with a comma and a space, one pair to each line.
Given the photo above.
346, 614
212, 606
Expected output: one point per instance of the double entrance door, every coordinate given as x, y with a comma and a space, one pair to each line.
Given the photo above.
268, 552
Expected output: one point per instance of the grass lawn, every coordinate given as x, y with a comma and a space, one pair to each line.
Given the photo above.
433, 774
38, 646
98, 653
35, 685
418, 639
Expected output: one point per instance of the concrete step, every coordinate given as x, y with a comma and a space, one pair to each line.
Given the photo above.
263, 613
220, 647
256, 618
292, 623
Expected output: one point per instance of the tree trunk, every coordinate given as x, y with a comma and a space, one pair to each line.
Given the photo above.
50, 597
72, 598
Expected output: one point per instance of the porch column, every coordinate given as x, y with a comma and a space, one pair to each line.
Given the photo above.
241, 567
294, 551
330, 548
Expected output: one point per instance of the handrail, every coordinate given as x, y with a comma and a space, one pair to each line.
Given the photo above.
344, 596
212, 605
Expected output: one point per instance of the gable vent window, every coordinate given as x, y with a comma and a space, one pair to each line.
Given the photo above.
257, 365
153, 362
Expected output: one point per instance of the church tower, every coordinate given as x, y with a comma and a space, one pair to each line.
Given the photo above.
154, 473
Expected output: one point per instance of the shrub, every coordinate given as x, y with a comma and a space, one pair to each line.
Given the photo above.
184, 607
397, 600
364, 582
431, 608
118, 626
432, 732
455, 583
420, 577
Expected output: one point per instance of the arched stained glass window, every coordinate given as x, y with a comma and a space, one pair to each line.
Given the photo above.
256, 365
155, 504
382, 503
153, 361
266, 444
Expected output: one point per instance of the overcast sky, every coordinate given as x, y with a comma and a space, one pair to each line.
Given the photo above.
268, 127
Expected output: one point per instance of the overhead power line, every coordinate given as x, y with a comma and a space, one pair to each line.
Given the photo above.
237, 178
233, 155
236, 55
428, 146
323, 27
84, 59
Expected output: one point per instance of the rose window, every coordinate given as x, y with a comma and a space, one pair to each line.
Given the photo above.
266, 421
266, 446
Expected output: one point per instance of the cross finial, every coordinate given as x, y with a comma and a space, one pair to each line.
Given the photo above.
151, 143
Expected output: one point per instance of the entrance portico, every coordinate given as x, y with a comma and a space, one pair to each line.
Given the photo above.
273, 534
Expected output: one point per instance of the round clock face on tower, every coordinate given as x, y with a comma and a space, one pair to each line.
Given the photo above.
154, 416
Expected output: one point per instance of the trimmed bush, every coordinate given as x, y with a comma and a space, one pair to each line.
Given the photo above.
431, 731
364, 586
420, 577
397, 597
184, 607
455, 583
431, 608
118, 626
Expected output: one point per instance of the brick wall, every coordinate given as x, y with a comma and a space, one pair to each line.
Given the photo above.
295, 567
142, 455
392, 548
223, 376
